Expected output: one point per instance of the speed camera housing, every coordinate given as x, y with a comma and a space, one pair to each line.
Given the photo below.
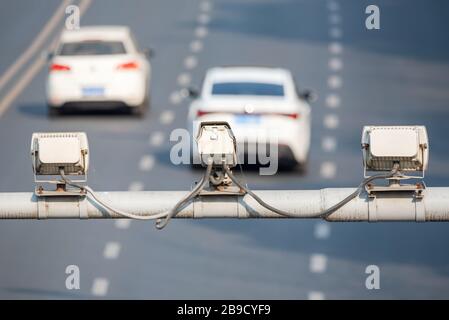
385, 146
216, 142
53, 151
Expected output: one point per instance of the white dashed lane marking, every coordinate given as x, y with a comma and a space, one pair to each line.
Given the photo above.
184, 79
322, 230
146, 163
334, 82
331, 121
333, 101
333, 5
205, 6
167, 117
122, 223
329, 144
201, 32
335, 48
136, 186
175, 97
190, 62
157, 139
111, 250
335, 64
328, 170
318, 263
315, 295
100, 287
196, 46
203, 18
334, 18
335, 32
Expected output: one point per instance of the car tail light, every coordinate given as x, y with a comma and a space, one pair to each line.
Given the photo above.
291, 115
201, 113
59, 67
132, 65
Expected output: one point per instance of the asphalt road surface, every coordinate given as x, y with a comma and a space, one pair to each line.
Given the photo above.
396, 75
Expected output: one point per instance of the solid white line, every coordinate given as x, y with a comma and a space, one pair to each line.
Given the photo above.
322, 230
334, 82
184, 79
333, 101
196, 46
335, 47
36, 44
21, 84
331, 121
190, 62
315, 295
111, 250
201, 32
100, 287
122, 223
318, 263
329, 144
157, 139
32, 71
328, 170
167, 117
335, 64
146, 163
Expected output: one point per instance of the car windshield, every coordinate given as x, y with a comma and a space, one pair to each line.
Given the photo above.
86, 48
248, 88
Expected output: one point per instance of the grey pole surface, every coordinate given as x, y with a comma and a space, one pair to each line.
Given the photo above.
391, 206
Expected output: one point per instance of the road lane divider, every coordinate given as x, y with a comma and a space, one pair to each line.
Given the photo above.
111, 250
146, 163
33, 70
37, 43
100, 287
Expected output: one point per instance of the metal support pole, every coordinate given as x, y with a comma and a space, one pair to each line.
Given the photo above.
391, 206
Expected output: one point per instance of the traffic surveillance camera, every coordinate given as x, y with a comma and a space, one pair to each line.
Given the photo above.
55, 151
216, 143
385, 147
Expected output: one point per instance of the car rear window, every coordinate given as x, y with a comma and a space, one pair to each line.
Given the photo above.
248, 88
86, 48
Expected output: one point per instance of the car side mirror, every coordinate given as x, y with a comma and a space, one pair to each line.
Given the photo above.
148, 52
190, 92
48, 55
308, 95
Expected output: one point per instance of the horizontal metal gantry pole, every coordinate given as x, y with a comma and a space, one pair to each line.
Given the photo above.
391, 206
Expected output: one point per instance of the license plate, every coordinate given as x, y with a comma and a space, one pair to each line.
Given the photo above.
247, 119
93, 91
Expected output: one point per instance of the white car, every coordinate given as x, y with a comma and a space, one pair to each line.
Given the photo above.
263, 107
98, 67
